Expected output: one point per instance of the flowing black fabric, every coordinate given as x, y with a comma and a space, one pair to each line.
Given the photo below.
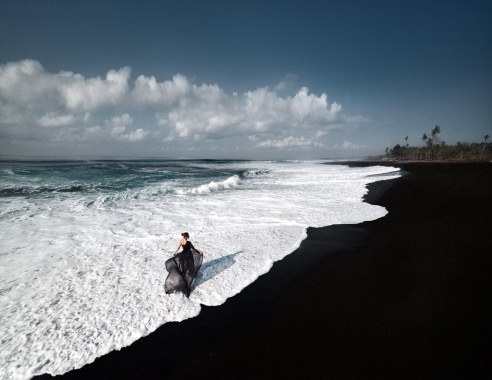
182, 270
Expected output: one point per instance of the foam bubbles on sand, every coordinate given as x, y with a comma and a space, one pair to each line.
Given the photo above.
82, 273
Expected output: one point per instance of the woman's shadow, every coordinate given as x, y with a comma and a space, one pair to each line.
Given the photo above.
210, 269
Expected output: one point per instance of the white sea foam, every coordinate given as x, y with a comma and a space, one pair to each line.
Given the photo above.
212, 186
83, 273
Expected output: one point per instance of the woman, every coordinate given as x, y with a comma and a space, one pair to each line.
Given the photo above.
183, 267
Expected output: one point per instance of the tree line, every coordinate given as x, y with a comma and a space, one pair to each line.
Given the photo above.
435, 149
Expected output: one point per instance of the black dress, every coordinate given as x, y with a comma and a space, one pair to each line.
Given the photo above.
182, 270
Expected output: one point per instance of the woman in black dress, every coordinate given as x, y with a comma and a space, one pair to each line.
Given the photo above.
183, 267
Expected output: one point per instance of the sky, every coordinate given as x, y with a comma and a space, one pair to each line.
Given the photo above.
240, 79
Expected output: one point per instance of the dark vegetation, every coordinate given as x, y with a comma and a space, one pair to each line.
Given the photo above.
435, 149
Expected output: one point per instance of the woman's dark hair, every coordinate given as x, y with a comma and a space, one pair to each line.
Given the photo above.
185, 234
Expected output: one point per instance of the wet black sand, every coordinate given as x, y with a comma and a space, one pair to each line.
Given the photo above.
406, 296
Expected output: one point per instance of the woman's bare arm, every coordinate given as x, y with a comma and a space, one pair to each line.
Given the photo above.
177, 249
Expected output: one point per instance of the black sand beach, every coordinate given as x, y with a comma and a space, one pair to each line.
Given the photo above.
406, 296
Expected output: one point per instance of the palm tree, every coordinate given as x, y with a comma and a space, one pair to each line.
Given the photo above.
485, 138
406, 141
436, 131
434, 139
424, 138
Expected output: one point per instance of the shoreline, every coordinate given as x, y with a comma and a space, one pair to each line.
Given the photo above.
406, 296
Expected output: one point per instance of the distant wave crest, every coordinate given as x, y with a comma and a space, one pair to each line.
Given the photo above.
255, 173
30, 190
213, 186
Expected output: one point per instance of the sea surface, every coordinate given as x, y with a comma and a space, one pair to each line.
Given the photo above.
83, 244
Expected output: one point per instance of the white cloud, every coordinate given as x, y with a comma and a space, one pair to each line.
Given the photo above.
309, 106
76, 107
83, 94
27, 85
288, 142
349, 146
118, 124
117, 130
147, 91
184, 109
137, 135
122, 120
51, 119
95, 129
213, 114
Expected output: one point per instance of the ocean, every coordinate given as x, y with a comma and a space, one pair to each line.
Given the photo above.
83, 244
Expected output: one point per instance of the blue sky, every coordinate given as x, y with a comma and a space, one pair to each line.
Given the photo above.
230, 79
